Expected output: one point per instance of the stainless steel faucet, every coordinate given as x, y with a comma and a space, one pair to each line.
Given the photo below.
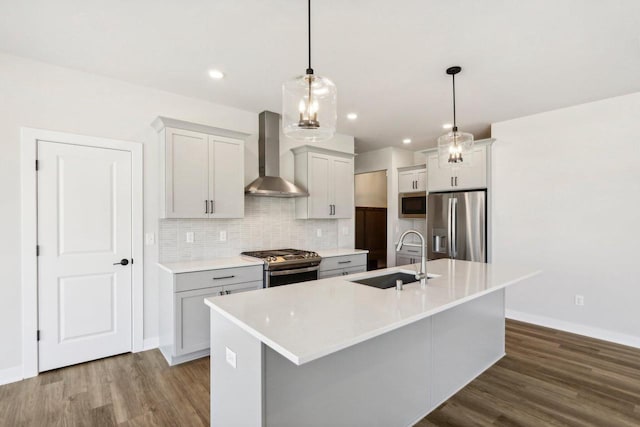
422, 274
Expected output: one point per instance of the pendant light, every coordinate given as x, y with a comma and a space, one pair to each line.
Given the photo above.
309, 104
454, 146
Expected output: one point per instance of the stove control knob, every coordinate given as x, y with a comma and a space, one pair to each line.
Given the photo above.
271, 258
314, 254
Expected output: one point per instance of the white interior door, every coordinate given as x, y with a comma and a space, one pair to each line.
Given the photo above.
84, 231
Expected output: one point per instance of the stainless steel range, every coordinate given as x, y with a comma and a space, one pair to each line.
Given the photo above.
286, 266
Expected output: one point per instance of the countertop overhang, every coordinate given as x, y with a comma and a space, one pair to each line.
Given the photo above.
309, 320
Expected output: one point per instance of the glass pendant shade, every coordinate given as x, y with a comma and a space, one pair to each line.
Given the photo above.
454, 149
309, 108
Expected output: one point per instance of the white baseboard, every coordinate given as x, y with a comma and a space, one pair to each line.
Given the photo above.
575, 328
150, 343
10, 375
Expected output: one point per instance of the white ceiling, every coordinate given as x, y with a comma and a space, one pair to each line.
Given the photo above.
387, 58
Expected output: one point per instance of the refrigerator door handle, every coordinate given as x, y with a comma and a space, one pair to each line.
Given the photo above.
454, 227
450, 229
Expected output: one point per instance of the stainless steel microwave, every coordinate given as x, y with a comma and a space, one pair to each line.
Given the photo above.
412, 205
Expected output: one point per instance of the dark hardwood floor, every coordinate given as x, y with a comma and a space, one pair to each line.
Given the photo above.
548, 378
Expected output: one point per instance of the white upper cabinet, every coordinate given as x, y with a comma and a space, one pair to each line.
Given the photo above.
473, 176
328, 177
186, 174
226, 177
202, 171
412, 180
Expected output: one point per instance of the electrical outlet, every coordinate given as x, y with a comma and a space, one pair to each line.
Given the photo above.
579, 300
223, 236
231, 357
190, 236
150, 239
319, 232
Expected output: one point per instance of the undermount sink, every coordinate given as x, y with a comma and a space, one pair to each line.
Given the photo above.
387, 281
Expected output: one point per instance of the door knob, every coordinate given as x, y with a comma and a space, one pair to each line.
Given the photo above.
123, 261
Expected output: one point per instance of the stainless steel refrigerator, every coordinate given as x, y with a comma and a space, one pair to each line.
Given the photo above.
457, 225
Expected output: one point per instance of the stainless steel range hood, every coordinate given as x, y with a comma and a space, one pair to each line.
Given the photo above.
269, 183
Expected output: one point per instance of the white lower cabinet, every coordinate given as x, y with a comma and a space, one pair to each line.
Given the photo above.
342, 265
184, 318
408, 256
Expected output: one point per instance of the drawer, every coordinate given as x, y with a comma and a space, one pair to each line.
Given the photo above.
343, 261
342, 271
410, 251
221, 277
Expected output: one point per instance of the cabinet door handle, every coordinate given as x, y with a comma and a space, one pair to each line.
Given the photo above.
344, 262
452, 181
212, 206
227, 292
221, 293
224, 277
456, 181
206, 206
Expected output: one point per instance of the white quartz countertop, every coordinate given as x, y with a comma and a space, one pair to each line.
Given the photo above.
209, 264
309, 320
328, 253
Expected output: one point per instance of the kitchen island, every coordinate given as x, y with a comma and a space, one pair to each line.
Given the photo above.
334, 352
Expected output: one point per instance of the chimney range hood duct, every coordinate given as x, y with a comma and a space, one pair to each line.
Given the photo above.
269, 183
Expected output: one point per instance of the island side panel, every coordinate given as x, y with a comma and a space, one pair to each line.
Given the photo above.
236, 393
467, 340
381, 382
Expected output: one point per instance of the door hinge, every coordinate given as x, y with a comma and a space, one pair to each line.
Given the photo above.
37, 165
37, 250
38, 335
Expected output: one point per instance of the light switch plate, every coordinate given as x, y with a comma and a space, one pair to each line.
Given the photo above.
190, 236
150, 239
223, 236
231, 357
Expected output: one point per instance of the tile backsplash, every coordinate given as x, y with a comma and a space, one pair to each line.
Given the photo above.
269, 223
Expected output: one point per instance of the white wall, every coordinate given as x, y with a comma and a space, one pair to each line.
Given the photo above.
389, 159
33, 94
567, 201
371, 189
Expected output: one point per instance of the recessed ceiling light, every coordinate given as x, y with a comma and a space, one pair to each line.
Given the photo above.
352, 116
216, 74
447, 126
406, 141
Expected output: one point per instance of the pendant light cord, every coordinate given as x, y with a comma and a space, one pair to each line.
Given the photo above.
453, 78
309, 69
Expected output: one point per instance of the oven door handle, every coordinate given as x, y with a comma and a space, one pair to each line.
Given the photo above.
293, 271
